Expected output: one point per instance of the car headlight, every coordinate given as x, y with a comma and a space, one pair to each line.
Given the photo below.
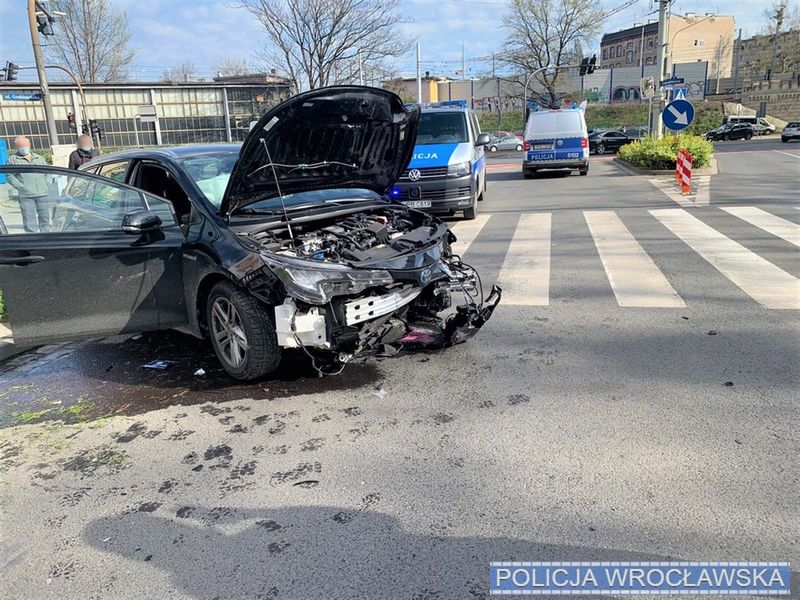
459, 169
317, 284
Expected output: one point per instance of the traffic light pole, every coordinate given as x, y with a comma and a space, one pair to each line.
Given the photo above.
658, 106
37, 56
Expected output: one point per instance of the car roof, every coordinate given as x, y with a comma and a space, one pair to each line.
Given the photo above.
169, 152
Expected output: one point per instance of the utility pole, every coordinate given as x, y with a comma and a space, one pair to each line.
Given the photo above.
463, 63
719, 62
655, 115
419, 76
37, 56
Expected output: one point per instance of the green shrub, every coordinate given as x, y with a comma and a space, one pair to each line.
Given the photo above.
655, 154
2, 307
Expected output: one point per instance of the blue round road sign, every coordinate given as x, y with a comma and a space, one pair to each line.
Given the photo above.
678, 114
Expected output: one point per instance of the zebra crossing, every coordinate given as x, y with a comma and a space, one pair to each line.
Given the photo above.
633, 275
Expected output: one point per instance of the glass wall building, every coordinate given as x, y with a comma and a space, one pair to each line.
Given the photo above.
185, 113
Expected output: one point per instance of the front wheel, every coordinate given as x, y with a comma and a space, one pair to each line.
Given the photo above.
242, 333
601, 149
492, 148
784, 140
471, 212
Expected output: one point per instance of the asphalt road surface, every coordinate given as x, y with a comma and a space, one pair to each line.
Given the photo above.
634, 397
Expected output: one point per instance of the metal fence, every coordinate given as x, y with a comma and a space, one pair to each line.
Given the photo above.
187, 113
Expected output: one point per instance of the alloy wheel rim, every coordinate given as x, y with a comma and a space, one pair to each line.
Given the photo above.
228, 332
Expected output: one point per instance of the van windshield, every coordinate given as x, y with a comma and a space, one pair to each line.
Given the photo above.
554, 123
442, 128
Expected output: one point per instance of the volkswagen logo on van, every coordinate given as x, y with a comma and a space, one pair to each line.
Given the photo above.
414, 174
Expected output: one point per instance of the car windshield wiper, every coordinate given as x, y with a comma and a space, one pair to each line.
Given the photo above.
303, 166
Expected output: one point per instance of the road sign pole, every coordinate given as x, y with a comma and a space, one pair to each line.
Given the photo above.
662, 58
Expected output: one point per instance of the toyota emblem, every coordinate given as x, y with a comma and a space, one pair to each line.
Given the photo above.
414, 174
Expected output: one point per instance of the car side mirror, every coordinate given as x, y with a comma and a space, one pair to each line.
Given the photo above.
483, 140
140, 222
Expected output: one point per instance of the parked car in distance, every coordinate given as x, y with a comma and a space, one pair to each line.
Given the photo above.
731, 131
760, 125
279, 244
605, 141
505, 143
791, 132
636, 132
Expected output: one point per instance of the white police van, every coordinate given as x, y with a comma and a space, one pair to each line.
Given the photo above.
556, 139
447, 172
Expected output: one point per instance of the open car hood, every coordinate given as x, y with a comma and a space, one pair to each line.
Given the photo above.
335, 137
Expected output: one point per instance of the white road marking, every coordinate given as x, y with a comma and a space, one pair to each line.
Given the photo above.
467, 231
769, 285
525, 274
701, 185
670, 189
768, 222
787, 153
634, 277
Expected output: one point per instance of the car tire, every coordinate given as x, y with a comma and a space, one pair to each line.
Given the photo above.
748, 136
519, 148
601, 149
471, 212
229, 308
529, 174
726, 138
584, 171
784, 140
492, 148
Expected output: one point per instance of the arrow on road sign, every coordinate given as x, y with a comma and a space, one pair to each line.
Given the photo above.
678, 114
680, 117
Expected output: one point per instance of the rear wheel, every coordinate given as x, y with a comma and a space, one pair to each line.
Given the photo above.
584, 171
242, 333
529, 174
749, 136
519, 148
492, 148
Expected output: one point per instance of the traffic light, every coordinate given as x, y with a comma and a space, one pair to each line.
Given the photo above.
98, 132
71, 121
584, 66
45, 24
10, 71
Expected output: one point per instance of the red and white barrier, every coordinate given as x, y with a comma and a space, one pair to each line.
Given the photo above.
683, 171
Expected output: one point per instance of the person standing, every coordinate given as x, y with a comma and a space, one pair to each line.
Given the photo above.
33, 188
83, 153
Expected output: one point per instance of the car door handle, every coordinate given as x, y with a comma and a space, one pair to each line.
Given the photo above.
20, 261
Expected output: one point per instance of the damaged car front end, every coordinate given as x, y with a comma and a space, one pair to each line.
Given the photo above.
358, 272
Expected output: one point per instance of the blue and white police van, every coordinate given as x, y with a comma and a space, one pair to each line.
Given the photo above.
447, 172
556, 139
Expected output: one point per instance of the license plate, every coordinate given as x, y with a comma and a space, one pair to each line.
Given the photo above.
542, 146
418, 203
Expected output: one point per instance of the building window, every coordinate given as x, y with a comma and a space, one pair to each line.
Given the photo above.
619, 49
650, 43
605, 53
648, 61
630, 46
629, 57
612, 53
699, 43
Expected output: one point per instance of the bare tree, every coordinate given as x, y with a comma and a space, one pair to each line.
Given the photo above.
319, 42
92, 39
549, 32
783, 29
231, 66
182, 73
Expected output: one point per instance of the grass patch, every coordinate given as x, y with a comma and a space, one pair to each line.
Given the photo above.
661, 154
29, 416
2, 307
79, 411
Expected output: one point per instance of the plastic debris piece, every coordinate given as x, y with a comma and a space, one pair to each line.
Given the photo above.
307, 483
159, 365
200, 372
712, 332
380, 393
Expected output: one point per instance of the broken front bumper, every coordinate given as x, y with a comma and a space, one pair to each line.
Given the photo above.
397, 315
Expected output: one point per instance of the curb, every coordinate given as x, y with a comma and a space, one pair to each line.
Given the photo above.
711, 169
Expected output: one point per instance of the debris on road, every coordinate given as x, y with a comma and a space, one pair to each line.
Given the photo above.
380, 393
200, 372
159, 365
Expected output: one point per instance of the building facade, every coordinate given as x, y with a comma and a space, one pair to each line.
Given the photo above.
186, 113
692, 38
755, 56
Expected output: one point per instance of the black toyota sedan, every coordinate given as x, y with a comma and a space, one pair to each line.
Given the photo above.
601, 142
286, 242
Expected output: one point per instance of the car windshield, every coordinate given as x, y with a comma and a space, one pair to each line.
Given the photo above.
442, 128
271, 205
211, 173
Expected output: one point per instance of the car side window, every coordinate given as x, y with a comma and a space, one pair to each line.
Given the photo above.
115, 170
45, 200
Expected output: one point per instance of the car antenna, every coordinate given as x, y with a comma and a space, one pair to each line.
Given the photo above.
278, 186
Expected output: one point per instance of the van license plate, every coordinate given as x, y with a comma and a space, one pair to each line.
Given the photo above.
418, 203
542, 146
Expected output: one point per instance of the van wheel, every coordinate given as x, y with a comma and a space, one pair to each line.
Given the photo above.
471, 212
529, 174
584, 171
242, 333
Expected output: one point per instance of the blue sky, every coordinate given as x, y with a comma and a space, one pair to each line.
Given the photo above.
166, 33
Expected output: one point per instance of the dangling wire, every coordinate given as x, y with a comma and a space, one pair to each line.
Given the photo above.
278, 186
